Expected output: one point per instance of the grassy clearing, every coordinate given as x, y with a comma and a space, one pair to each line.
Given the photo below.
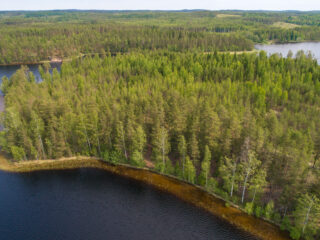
241, 52
227, 16
285, 25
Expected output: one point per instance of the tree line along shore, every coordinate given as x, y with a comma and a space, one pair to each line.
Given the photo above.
182, 189
243, 126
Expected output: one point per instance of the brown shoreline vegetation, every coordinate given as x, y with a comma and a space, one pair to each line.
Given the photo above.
187, 192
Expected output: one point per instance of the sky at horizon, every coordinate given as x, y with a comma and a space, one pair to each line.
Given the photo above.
303, 5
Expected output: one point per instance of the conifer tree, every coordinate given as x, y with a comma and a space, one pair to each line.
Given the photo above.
182, 148
120, 141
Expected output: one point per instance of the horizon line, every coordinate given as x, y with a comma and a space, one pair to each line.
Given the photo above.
162, 10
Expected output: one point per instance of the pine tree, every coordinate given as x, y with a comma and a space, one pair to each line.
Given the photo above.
210, 127
194, 148
139, 139
161, 146
182, 148
120, 139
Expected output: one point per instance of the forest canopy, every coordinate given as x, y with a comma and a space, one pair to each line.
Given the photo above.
244, 126
164, 89
29, 37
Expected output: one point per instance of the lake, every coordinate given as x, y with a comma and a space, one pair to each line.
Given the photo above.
283, 49
94, 204
9, 70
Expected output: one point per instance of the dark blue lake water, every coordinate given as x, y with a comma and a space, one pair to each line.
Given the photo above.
91, 204
9, 70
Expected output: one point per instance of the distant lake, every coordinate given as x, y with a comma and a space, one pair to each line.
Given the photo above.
283, 49
92, 204
10, 70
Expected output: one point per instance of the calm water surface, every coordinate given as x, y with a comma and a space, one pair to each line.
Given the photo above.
9, 70
283, 49
92, 204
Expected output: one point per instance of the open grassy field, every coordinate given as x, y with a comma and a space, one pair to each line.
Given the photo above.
285, 25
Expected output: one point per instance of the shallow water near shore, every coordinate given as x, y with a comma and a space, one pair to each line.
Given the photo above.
95, 204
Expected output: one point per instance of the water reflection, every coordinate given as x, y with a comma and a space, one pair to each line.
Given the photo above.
8, 71
283, 49
94, 204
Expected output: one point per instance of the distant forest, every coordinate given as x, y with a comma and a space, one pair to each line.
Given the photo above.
28, 37
244, 126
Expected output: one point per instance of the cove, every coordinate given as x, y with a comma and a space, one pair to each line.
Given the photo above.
186, 224
94, 204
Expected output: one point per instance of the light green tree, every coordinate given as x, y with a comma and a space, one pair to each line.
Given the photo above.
206, 164
258, 182
307, 214
18, 153
229, 174
120, 141
190, 171
139, 139
268, 212
137, 159
248, 167
161, 147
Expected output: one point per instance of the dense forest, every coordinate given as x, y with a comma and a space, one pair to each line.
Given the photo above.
162, 89
28, 37
245, 127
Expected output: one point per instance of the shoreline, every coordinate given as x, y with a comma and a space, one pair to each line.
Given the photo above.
185, 191
289, 42
34, 63
92, 54
60, 61
253, 50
